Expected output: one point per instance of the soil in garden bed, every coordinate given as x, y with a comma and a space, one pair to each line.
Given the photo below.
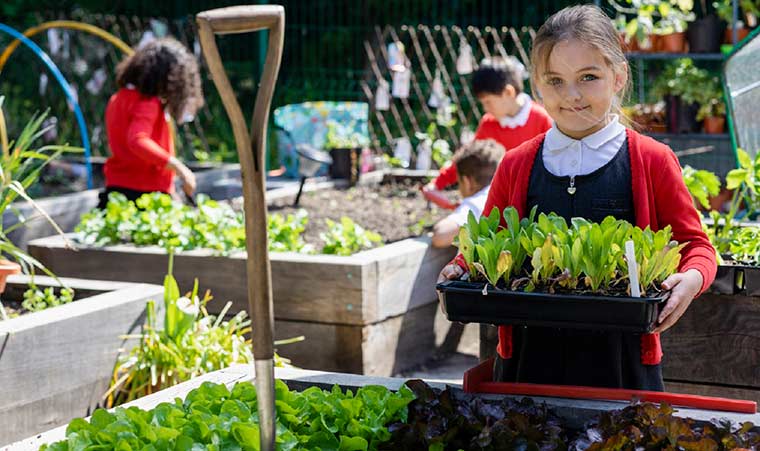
395, 210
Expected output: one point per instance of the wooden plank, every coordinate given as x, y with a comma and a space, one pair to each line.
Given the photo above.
321, 288
380, 349
406, 273
75, 347
717, 341
365, 288
65, 210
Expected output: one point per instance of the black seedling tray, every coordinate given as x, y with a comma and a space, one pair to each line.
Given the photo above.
464, 302
726, 281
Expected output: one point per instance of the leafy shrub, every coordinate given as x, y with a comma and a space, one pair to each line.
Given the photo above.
347, 237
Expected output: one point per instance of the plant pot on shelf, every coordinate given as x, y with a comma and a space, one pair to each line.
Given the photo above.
629, 44
7, 268
672, 43
345, 164
681, 117
741, 33
704, 34
714, 125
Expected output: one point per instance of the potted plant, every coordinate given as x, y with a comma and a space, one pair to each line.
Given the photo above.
666, 34
749, 12
671, 28
704, 34
649, 117
20, 167
681, 85
345, 147
712, 108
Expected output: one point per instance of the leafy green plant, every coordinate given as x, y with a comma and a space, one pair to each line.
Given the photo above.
36, 299
285, 233
701, 184
744, 246
214, 417
156, 220
710, 99
725, 8
682, 78
653, 16
21, 165
347, 237
546, 253
191, 343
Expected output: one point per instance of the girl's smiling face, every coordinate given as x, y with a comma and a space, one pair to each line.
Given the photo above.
577, 86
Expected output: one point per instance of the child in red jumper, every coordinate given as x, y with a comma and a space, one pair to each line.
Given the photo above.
511, 116
158, 80
589, 165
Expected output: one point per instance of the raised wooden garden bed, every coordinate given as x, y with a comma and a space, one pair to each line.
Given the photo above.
572, 413
56, 364
221, 182
369, 313
373, 312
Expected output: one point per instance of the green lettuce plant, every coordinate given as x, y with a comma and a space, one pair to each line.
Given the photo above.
347, 237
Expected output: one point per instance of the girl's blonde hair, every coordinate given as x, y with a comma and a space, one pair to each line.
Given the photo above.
587, 24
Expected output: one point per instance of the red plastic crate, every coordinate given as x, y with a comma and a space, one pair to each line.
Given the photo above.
479, 379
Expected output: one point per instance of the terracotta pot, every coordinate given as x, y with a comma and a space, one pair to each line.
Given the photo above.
629, 45
673, 42
654, 44
7, 268
714, 125
741, 33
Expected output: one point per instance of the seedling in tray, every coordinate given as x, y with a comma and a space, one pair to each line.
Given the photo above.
545, 254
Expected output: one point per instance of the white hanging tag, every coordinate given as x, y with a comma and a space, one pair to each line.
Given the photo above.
403, 151
467, 136
401, 82
50, 125
443, 114
75, 96
54, 41
43, 83
66, 39
424, 154
197, 48
464, 59
396, 57
159, 28
146, 38
95, 84
633, 269
436, 91
382, 96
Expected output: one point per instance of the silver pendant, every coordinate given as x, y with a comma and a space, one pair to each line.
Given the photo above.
571, 190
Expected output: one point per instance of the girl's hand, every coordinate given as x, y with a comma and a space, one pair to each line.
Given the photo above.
450, 272
185, 174
683, 286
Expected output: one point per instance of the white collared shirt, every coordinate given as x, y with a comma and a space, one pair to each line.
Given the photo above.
564, 156
521, 118
475, 204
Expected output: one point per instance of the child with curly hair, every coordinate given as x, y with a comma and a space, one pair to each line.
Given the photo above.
160, 80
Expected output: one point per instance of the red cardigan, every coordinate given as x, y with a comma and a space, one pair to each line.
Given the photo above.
489, 128
141, 143
659, 198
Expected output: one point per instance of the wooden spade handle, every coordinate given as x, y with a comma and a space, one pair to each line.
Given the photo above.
251, 145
